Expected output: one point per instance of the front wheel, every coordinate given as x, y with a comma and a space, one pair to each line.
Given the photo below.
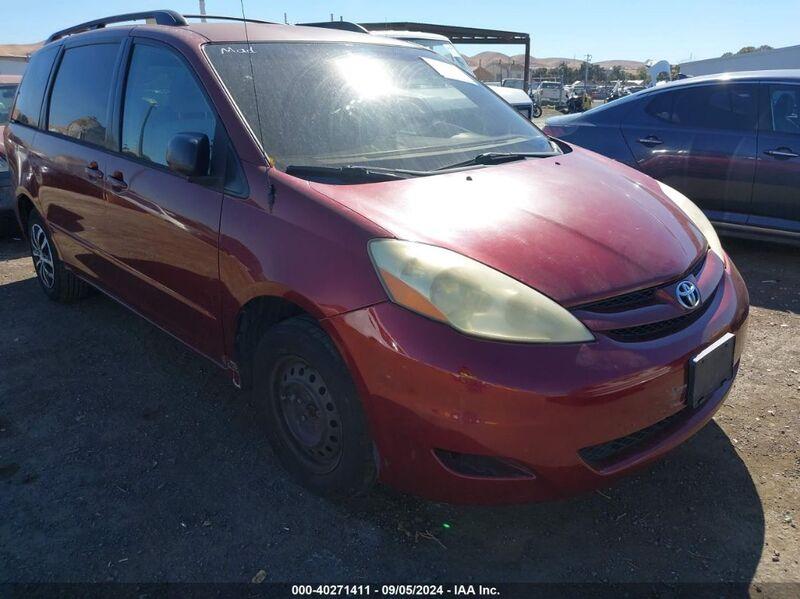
314, 417
537, 111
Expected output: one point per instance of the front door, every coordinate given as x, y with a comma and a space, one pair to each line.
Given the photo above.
776, 194
701, 140
165, 226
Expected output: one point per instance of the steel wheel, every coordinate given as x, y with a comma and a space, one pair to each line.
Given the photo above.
308, 414
42, 256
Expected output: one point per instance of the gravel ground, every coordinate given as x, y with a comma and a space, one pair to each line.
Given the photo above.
125, 457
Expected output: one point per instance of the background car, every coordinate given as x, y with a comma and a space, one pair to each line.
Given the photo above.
514, 82
730, 142
8, 89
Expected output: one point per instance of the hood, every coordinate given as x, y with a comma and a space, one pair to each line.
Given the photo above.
576, 227
562, 120
512, 95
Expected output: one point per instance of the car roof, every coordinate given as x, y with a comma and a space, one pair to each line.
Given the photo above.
775, 74
412, 35
238, 32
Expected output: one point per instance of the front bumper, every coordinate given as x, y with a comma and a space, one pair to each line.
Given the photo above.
8, 220
6, 197
427, 387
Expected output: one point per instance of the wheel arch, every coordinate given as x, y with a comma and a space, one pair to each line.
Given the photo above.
253, 319
25, 207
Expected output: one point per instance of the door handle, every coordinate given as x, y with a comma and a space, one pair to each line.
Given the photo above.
117, 181
650, 140
93, 171
784, 153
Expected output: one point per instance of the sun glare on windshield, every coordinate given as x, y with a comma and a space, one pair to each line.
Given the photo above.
368, 77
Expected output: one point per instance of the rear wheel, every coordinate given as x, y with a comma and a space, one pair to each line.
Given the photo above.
56, 281
314, 417
537, 111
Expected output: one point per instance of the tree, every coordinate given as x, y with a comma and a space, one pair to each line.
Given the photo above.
748, 50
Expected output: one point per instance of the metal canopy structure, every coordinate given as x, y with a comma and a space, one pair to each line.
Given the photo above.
464, 35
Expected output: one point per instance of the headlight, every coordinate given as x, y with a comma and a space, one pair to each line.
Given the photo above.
696, 216
470, 296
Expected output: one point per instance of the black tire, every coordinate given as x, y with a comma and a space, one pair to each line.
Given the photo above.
58, 283
315, 421
537, 111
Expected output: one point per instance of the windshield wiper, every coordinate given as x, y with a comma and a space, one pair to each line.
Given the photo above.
497, 158
352, 173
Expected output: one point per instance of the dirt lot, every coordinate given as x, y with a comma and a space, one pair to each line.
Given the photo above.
125, 457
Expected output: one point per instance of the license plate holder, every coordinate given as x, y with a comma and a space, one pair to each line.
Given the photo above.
709, 369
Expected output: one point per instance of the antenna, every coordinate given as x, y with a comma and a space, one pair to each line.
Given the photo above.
253, 78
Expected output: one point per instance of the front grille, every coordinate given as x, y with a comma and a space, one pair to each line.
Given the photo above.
619, 303
601, 455
655, 330
642, 297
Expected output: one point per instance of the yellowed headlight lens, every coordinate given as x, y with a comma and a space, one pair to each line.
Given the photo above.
470, 296
695, 215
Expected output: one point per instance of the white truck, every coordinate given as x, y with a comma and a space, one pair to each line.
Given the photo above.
548, 92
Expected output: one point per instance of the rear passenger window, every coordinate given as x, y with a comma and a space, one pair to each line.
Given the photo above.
31, 90
727, 107
162, 98
79, 102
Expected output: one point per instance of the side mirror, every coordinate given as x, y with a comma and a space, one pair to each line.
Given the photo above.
189, 154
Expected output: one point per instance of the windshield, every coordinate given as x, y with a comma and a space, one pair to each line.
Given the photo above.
6, 100
445, 49
361, 104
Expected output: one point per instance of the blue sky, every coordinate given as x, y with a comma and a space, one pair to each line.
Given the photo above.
607, 29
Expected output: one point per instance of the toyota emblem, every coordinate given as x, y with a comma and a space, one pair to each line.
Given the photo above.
688, 295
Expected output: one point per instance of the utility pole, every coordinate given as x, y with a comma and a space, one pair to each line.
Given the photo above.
202, 10
586, 77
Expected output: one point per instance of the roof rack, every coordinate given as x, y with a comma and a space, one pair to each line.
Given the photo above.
341, 25
161, 17
221, 18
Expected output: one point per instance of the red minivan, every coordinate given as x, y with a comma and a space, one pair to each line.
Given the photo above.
416, 283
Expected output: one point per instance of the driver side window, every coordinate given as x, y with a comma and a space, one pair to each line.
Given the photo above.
162, 99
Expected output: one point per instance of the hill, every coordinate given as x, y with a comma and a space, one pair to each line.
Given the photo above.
18, 50
492, 59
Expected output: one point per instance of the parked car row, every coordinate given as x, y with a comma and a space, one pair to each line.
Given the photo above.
418, 285
729, 142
